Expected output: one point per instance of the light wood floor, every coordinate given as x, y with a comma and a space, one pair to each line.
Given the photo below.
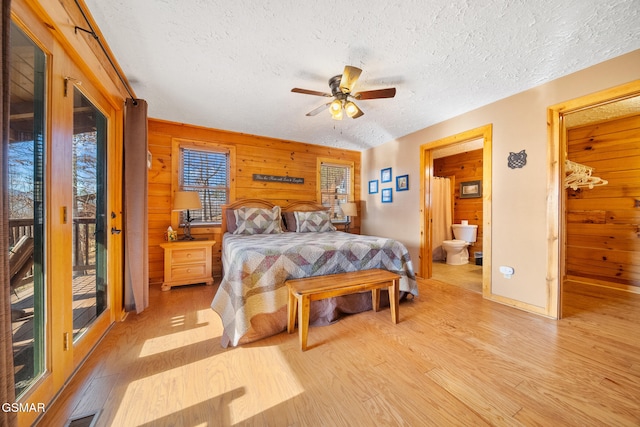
468, 276
454, 359
22, 303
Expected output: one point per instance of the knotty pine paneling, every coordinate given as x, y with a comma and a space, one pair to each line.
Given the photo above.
464, 167
254, 155
603, 235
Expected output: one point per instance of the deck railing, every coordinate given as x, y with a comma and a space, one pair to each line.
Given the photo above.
19, 228
83, 232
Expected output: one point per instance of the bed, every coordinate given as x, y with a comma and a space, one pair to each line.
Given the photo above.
252, 297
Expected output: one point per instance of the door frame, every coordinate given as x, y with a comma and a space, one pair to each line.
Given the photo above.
556, 153
426, 174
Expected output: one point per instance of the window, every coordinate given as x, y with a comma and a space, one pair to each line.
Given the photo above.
336, 185
207, 169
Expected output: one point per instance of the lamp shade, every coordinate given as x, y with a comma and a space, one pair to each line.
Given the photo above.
349, 209
184, 200
335, 106
352, 110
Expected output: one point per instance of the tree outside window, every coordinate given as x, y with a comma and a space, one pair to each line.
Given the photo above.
206, 172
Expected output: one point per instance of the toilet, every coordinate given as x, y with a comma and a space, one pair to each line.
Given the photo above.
456, 250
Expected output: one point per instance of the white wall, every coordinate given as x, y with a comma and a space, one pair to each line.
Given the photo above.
519, 217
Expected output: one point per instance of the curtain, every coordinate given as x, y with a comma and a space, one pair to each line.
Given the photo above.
441, 215
136, 262
7, 386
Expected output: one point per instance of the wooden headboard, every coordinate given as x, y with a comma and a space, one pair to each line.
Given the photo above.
304, 206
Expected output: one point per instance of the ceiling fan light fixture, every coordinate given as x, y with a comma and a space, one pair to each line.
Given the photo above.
336, 115
336, 106
351, 109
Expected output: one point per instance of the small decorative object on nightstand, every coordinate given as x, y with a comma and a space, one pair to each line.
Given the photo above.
187, 262
349, 210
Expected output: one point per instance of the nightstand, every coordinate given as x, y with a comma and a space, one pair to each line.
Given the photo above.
187, 262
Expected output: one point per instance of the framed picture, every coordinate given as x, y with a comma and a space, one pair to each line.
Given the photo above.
373, 186
470, 189
402, 183
385, 175
387, 195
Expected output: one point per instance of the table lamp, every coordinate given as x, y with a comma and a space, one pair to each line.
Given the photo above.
185, 200
349, 209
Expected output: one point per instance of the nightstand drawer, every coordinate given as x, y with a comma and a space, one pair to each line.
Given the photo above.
185, 256
188, 272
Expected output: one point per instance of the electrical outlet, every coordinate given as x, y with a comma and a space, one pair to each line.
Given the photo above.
507, 271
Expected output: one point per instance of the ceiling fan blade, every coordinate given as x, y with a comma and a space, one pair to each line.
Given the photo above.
319, 109
349, 77
310, 92
375, 94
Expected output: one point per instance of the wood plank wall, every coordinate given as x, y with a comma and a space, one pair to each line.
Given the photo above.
603, 234
464, 167
254, 155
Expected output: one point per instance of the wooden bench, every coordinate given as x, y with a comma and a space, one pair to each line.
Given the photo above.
303, 291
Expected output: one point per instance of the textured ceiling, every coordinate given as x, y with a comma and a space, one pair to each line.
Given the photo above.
232, 64
609, 111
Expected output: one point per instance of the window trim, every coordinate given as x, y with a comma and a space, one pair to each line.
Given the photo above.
179, 143
335, 162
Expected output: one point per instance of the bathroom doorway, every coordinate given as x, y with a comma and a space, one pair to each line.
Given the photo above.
465, 157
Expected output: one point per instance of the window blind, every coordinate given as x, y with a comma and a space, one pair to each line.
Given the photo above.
335, 186
206, 172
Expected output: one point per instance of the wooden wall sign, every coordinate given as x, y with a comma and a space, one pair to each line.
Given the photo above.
276, 178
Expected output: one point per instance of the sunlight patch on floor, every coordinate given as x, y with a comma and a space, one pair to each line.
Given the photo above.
175, 340
227, 388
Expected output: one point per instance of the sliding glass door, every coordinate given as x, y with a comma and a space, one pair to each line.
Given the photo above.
58, 219
64, 196
26, 193
89, 216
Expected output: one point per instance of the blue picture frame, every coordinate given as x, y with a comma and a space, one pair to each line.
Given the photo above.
373, 186
402, 183
385, 175
387, 195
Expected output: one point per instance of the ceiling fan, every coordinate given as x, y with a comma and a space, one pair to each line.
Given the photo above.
342, 91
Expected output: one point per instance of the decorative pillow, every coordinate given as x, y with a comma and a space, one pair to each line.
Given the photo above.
318, 221
289, 221
258, 221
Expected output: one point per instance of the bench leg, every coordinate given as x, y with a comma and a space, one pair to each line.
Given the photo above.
303, 320
375, 299
292, 307
394, 296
